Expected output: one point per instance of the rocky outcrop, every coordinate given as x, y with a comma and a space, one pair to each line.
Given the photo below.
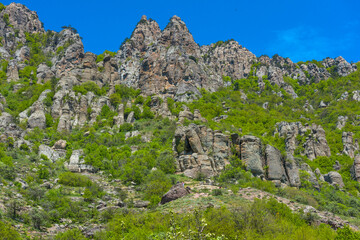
200, 150
119, 119
275, 164
334, 178
77, 164
356, 95
315, 144
176, 191
355, 169
350, 146
292, 171
251, 154
51, 154
341, 122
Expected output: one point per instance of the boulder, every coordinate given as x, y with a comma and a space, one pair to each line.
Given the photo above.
60, 144
37, 119
141, 204
176, 191
50, 153
356, 95
334, 178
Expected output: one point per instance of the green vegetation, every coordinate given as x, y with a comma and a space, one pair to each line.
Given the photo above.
100, 57
86, 87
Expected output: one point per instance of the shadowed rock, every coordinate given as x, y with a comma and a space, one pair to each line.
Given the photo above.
176, 191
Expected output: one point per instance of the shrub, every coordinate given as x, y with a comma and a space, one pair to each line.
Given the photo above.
126, 127
216, 192
74, 180
7, 232
73, 234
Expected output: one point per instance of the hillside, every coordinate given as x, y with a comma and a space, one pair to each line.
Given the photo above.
98, 146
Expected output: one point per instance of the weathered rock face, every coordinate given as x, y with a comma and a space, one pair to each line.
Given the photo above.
22, 20
350, 147
200, 150
275, 164
228, 59
251, 154
292, 171
315, 144
77, 164
334, 178
176, 191
51, 154
355, 169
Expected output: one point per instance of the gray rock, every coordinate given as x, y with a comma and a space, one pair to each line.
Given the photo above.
77, 164
356, 95
251, 154
37, 119
349, 146
312, 177
119, 119
334, 178
50, 153
292, 172
274, 163
322, 104
176, 191
60, 144
341, 122
141, 204
130, 118
355, 169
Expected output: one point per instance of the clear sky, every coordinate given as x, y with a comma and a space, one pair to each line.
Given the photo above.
302, 30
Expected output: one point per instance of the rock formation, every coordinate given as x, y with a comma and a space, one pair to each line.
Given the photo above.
176, 191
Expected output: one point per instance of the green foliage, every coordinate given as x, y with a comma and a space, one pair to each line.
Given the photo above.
74, 180
73, 234
6, 19
86, 87
23, 98
7, 232
157, 183
259, 220
123, 94
100, 57
2, 7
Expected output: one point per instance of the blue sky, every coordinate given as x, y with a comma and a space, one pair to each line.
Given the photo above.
302, 30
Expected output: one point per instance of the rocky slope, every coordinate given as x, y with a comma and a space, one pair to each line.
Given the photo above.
162, 105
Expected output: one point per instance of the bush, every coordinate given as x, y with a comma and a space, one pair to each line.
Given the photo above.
126, 127
89, 87
217, 192
73, 234
74, 180
7, 232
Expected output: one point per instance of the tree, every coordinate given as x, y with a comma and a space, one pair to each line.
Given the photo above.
38, 218
13, 207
